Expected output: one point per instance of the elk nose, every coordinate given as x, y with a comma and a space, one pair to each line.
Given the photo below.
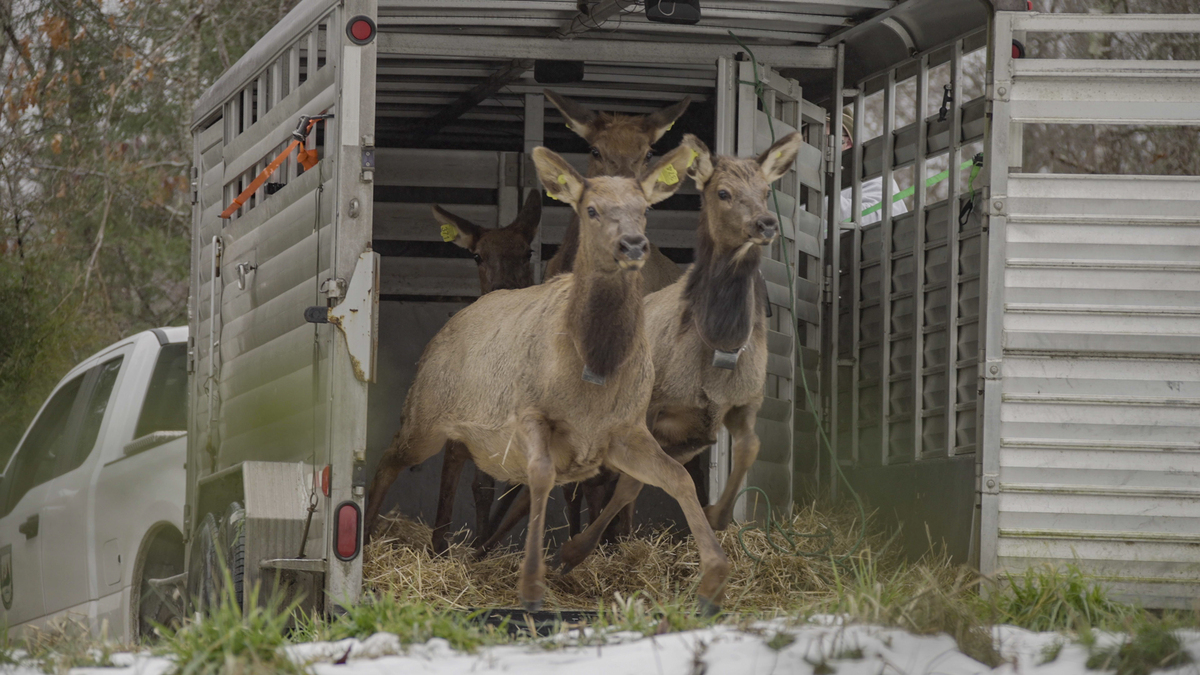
767, 227
633, 246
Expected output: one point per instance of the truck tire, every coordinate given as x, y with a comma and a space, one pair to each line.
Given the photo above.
235, 549
204, 569
160, 558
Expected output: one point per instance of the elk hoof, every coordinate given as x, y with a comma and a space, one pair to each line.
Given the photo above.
706, 608
532, 605
569, 556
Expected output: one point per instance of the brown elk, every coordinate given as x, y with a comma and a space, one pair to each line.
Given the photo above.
504, 259
620, 145
708, 332
549, 383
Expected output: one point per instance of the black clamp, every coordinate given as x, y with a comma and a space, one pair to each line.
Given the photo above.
947, 99
302, 128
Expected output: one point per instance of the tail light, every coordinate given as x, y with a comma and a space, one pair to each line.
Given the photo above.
346, 531
360, 29
325, 480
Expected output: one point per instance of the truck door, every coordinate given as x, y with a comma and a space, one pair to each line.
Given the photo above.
24, 493
67, 548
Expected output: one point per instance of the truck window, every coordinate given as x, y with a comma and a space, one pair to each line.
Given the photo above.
93, 415
165, 408
50, 437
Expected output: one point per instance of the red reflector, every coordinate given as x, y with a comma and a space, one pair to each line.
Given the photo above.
345, 533
325, 473
361, 30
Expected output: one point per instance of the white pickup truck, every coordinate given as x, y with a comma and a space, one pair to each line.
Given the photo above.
91, 502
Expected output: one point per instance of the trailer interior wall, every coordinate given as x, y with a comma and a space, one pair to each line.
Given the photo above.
1092, 366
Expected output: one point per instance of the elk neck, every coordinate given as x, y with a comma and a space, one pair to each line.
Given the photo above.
725, 295
604, 315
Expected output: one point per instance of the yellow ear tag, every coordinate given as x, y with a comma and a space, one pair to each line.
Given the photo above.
779, 154
692, 158
562, 179
551, 196
449, 232
670, 125
668, 175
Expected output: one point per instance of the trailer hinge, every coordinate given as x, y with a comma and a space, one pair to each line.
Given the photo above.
333, 289
990, 484
992, 370
195, 184
827, 285
829, 140
191, 354
368, 159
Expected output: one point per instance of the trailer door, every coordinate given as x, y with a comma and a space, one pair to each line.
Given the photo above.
749, 120
1092, 340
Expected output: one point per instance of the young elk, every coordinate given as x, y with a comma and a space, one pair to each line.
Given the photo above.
708, 332
504, 257
549, 383
620, 146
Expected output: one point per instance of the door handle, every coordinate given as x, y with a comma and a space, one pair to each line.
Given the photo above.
29, 528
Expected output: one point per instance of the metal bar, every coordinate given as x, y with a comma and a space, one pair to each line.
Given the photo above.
494, 83
834, 173
848, 33
992, 285
952, 252
535, 114
918, 380
624, 51
726, 139
856, 265
1105, 23
590, 17
885, 263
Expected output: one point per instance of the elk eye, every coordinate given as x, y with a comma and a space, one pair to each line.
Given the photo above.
478, 260
649, 156
592, 211
529, 253
595, 153
723, 194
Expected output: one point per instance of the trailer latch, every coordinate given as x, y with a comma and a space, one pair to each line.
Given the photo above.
357, 316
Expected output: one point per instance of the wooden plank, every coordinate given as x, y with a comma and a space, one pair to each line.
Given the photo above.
494, 83
428, 276
436, 168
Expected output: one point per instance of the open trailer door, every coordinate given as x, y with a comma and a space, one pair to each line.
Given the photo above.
1092, 366
755, 107
271, 389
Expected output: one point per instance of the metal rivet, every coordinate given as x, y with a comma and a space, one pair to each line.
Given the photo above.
999, 205
991, 483
1002, 91
995, 370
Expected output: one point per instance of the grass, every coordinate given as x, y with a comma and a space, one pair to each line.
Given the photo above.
411, 621
64, 644
227, 642
1150, 644
1048, 598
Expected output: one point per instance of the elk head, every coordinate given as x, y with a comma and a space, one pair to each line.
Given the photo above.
736, 193
503, 254
620, 144
612, 210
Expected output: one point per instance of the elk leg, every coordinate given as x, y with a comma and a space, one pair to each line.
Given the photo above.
740, 422
579, 547
407, 449
541, 473
642, 458
573, 493
455, 458
514, 506
596, 494
483, 489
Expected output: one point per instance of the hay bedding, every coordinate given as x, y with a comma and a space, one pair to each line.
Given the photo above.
659, 565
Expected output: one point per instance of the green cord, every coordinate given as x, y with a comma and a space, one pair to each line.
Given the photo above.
786, 533
929, 182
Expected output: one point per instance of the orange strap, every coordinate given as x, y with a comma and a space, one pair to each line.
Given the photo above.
306, 157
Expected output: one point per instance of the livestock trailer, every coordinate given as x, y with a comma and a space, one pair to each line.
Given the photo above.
1008, 366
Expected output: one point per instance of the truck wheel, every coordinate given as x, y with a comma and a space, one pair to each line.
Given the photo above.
204, 570
161, 557
235, 548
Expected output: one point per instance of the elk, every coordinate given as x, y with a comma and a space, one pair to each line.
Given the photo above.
708, 332
503, 256
547, 384
620, 145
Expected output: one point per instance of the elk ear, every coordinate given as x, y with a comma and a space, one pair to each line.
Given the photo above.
527, 221
780, 157
659, 122
665, 177
456, 229
562, 182
580, 120
701, 168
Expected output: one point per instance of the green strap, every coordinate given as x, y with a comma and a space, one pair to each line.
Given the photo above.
929, 182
